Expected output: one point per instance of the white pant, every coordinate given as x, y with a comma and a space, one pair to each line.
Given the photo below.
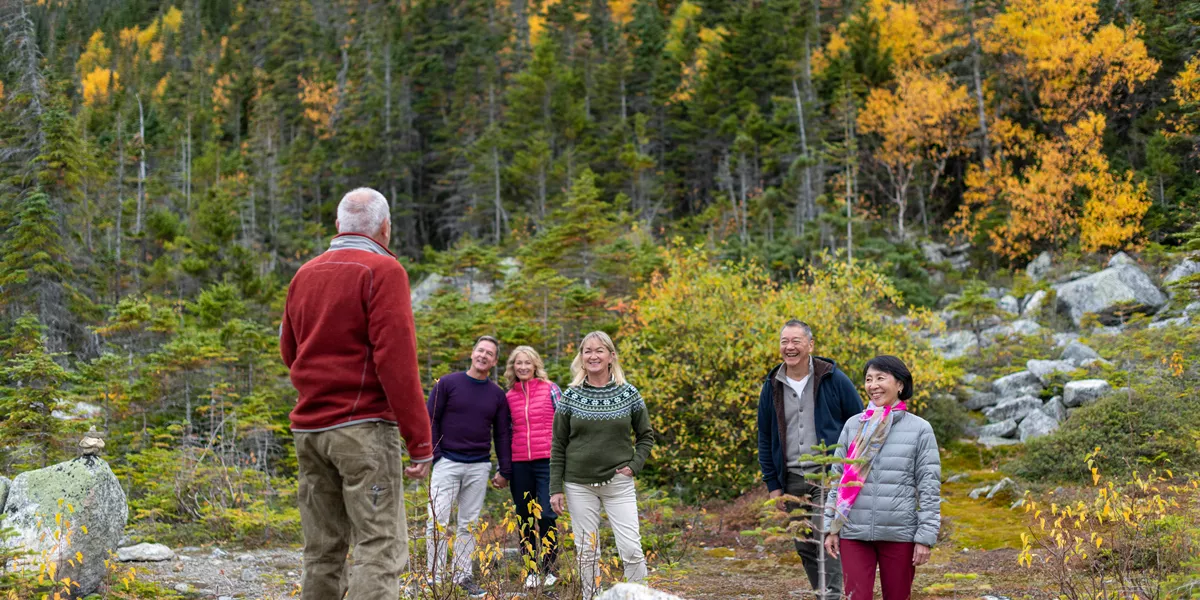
465, 483
619, 498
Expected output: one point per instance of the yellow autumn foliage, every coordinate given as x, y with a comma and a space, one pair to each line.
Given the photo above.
95, 55
1072, 62
160, 88
320, 100
99, 85
927, 116
173, 20
911, 32
693, 63
1, 90
700, 338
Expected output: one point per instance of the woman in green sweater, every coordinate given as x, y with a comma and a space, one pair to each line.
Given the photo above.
593, 458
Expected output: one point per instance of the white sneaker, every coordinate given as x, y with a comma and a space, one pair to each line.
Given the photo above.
533, 581
550, 580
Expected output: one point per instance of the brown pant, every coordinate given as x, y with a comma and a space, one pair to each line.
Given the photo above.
351, 489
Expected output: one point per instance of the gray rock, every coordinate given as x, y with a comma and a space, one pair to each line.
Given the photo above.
1033, 304
632, 591
1039, 267
1015, 409
1062, 339
1075, 275
1192, 309
1086, 391
1005, 485
1005, 428
1045, 369
947, 300
980, 400
1120, 259
145, 553
1018, 327
218, 553
5, 483
1055, 410
1076, 352
1086, 364
1037, 424
182, 588
954, 344
86, 485
1109, 330
955, 478
1187, 268
1103, 292
979, 491
1017, 384
1176, 322
246, 557
1008, 303
992, 442
249, 575
969, 378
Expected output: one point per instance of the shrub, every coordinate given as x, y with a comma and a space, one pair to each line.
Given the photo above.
699, 340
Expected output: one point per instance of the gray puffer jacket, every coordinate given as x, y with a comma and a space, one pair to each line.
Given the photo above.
900, 500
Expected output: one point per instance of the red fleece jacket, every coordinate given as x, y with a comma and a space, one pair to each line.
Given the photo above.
349, 340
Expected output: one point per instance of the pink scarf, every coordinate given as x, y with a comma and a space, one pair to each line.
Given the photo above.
877, 423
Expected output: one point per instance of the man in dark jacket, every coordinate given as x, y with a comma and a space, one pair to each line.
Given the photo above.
805, 401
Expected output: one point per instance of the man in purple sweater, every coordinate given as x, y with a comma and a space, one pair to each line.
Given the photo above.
468, 412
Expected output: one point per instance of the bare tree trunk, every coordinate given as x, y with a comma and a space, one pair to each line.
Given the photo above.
977, 79
802, 203
141, 186
120, 194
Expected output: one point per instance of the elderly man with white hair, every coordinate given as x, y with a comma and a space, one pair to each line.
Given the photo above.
350, 344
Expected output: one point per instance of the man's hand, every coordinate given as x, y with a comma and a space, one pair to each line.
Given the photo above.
921, 554
832, 545
417, 470
626, 471
499, 482
559, 503
775, 494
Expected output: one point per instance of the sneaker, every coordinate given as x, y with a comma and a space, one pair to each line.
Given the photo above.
550, 580
472, 589
532, 581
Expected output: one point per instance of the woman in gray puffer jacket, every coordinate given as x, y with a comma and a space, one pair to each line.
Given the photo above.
885, 509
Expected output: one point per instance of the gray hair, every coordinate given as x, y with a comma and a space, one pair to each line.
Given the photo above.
363, 211
801, 324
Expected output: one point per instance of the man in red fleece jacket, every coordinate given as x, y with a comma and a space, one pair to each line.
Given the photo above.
349, 341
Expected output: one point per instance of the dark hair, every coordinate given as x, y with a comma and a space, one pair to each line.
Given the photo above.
801, 324
895, 367
487, 338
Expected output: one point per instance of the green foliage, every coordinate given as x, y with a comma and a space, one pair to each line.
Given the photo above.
700, 338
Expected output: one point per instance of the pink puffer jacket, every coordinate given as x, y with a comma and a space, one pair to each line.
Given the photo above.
532, 406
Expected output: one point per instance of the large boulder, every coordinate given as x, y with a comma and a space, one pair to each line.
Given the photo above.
1017, 384
632, 591
1187, 268
1009, 303
1033, 304
1055, 410
1035, 425
954, 344
1015, 409
1086, 391
51, 508
1040, 267
980, 400
1018, 327
1176, 322
1077, 352
1045, 369
1005, 428
5, 484
1122, 285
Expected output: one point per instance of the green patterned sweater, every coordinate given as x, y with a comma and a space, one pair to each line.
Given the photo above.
594, 429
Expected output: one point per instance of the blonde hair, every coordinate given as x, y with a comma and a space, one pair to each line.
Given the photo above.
539, 367
579, 373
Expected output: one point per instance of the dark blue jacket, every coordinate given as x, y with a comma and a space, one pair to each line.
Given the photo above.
835, 400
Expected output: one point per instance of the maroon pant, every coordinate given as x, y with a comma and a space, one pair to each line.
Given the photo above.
896, 570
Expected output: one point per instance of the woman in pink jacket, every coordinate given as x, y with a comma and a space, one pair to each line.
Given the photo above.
532, 398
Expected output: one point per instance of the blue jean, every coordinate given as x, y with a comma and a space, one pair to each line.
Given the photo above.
531, 481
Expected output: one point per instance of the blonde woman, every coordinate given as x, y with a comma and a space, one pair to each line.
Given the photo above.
594, 458
532, 398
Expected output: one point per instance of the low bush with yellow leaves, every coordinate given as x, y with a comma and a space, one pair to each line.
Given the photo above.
1116, 539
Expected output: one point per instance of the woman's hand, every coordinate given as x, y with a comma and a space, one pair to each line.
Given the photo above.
626, 471
832, 545
559, 503
920, 554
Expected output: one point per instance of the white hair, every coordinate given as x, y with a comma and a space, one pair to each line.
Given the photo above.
363, 211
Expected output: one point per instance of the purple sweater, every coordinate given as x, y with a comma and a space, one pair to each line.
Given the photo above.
467, 415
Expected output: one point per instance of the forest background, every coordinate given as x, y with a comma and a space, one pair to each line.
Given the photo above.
683, 174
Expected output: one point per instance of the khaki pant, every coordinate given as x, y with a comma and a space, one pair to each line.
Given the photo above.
453, 483
619, 499
352, 490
